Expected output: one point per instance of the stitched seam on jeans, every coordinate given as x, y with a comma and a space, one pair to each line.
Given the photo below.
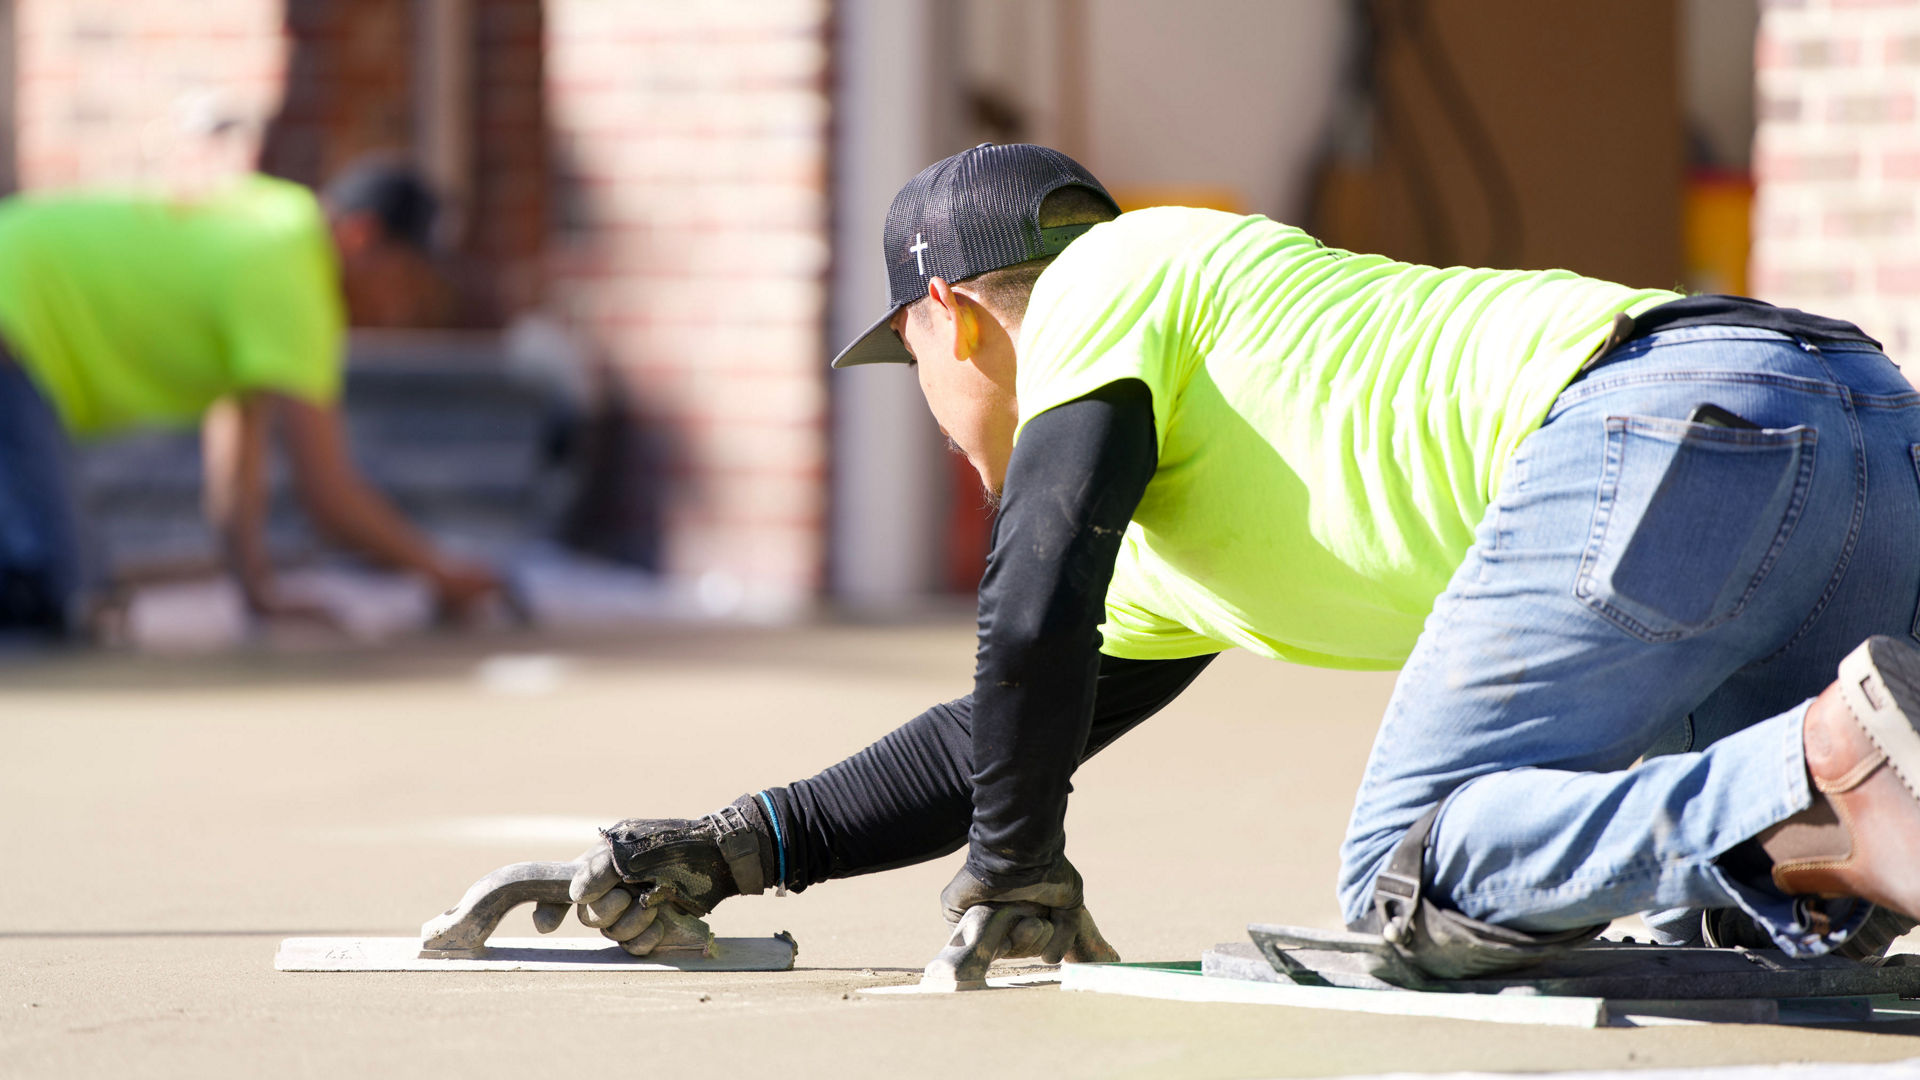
1796, 506
1582, 391
1602, 508
1587, 882
1889, 402
1499, 517
1632, 625
1859, 438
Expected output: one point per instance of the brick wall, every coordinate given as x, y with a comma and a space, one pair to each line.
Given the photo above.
692, 144
349, 86
110, 92
351, 89
1837, 164
508, 221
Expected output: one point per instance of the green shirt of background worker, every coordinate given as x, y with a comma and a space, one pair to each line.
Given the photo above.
126, 311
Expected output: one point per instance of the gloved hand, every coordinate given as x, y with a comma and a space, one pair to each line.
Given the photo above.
647, 883
1047, 919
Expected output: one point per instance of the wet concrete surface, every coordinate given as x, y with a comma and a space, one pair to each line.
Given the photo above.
165, 821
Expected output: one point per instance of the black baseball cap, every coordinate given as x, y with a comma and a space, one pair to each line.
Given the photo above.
393, 193
976, 211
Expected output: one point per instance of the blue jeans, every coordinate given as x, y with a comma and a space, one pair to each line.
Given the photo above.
1609, 694
40, 555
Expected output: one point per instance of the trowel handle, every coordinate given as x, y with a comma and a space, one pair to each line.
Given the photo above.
465, 926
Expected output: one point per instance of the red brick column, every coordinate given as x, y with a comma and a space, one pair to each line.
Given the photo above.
692, 211
348, 88
506, 228
1837, 164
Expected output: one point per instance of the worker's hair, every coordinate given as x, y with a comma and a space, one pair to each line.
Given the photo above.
1005, 291
392, 193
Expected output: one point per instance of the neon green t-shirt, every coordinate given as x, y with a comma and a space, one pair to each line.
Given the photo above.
131, 310
1331, 426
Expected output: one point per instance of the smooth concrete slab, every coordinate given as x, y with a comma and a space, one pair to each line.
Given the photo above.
168, 823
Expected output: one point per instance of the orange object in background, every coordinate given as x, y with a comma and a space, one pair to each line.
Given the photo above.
1717, 230
1204, 196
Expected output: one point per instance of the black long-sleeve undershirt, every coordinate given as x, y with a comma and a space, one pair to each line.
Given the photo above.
1071, 488
994, 767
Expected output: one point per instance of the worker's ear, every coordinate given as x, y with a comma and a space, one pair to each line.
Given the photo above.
356, 234
957, 318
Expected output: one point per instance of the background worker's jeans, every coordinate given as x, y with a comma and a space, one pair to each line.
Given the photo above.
1644, 585
40, 554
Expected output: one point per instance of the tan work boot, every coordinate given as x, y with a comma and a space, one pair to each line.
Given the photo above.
1861, 836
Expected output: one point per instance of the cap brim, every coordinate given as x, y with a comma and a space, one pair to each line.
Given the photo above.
879, 345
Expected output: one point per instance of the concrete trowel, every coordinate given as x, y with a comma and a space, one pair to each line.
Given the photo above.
461, 938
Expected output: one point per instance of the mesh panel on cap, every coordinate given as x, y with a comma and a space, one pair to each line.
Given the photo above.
973, 212
964, 215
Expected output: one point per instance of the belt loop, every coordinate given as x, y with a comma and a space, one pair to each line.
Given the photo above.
1618, 334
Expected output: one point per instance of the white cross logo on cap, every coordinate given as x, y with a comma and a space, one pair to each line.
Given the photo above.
919, 248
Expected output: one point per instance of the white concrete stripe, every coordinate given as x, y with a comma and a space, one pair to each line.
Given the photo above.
1898, 1070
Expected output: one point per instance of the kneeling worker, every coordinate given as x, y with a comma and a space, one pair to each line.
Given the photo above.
1617, 541
122, 311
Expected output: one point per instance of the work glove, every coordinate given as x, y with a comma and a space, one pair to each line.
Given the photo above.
1047, 919
648, 883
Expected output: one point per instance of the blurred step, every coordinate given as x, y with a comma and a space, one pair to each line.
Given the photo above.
467, 443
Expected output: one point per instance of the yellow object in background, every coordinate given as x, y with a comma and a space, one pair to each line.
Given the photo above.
1203, 196
1717, 222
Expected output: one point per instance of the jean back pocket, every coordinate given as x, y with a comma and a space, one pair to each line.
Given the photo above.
1690, 519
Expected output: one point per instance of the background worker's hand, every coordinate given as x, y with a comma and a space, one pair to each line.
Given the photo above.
460, 588
1047, 919
647, 884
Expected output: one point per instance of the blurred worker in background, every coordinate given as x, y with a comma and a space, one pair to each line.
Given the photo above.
122, 311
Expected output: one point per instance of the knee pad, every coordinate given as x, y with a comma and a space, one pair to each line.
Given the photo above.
1443, 943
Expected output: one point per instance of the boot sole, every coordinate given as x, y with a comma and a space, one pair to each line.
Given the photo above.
1880, 682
